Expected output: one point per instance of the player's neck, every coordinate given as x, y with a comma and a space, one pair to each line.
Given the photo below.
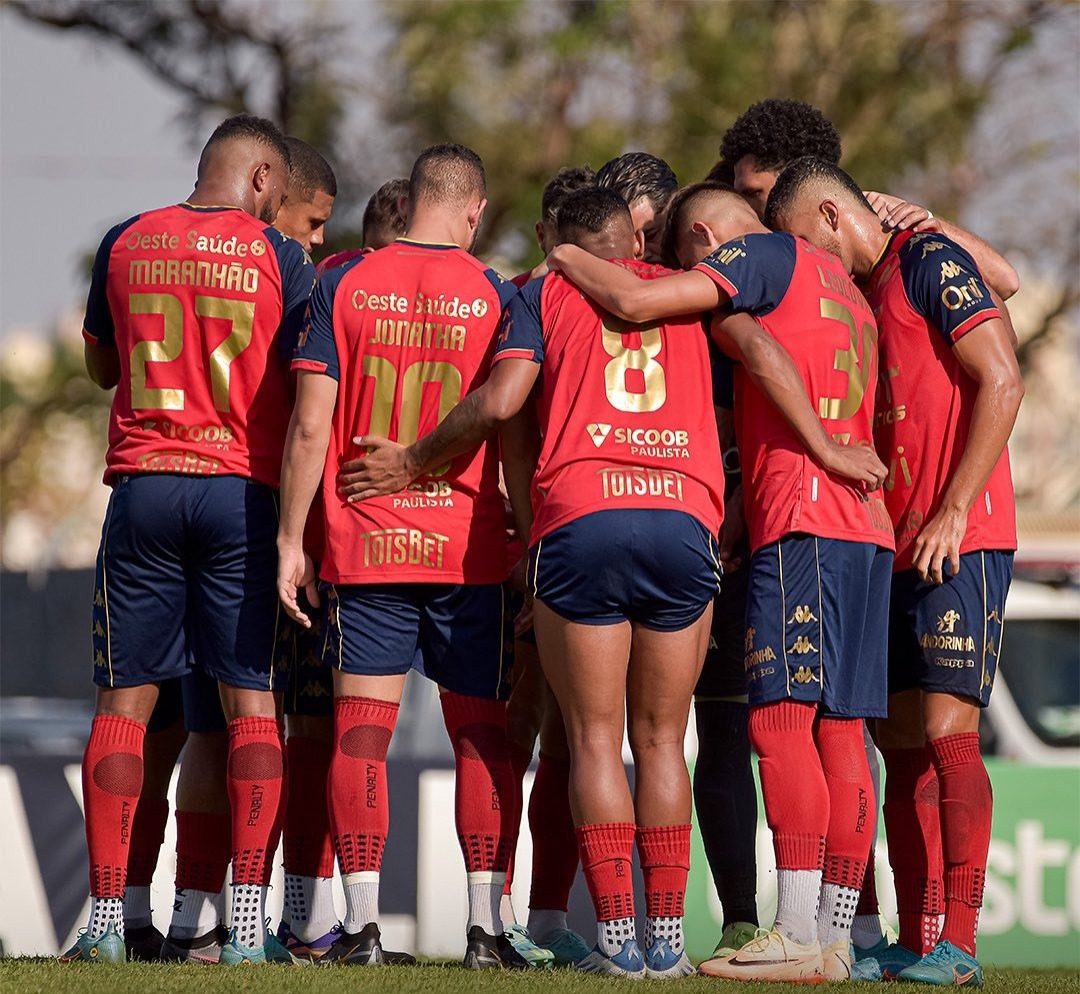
433, 228
867, 250
217, 195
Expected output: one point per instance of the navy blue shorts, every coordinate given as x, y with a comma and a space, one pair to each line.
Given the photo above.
195, 698
311, 682
458, 635
659, 569
187, 568
722, 675
816, 617
945, 638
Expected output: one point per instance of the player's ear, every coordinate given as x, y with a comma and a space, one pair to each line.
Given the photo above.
541, 236
260, 179
831, 213
403, 205
704, 234
639, 244
476, 214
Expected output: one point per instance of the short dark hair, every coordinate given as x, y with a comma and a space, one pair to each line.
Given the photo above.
447, 173
680, 204
383, 222
800, 172
722, 172
776, 132
309, 172
249, 127
560, 186
638, 174
591, 210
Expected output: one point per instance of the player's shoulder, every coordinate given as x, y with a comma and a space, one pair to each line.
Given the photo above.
931, 258
339, 259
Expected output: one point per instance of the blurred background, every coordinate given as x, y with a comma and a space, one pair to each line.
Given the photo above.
969, 107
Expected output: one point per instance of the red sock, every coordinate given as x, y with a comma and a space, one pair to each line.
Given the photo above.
607, 853
913, 829
555, 845
203, 850
868, 899
966, 803
485, 787
792, 782
307, 847
147, 834
665, 862
519, 761
357, 795
112, 775
851, 800
256, 784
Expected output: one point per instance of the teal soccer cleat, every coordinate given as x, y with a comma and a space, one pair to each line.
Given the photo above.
107, 948
946, 966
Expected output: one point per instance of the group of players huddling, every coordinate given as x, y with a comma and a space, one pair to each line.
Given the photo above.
338, 450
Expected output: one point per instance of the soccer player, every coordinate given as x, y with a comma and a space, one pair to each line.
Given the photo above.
384, 221
556, 190
309, 200
393, 341
190, 313
951, 388
622, 564
647, 183
821, 555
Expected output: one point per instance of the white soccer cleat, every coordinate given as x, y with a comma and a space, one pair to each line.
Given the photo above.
772, 956
836, 960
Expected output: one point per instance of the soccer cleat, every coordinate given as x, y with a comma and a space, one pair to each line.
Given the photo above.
363, 948
569, 947
488, 952
946, 966
882, 962
233, 953
307, 950
275, 952
627, 962
143, 944
662, 963
836, 960
772, 956
204, 949
533, 953
106, 948
734, 937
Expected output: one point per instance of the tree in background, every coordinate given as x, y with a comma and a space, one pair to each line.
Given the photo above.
534, 86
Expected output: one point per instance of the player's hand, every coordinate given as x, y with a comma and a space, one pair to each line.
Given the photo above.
296, 572
859, 463
899, 215
732, 530
939, 541
384, 470
553, 261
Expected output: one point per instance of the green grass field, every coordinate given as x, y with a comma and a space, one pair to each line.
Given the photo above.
43, 976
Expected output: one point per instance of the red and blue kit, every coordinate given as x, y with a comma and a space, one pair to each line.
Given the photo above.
819, 573
204, 305
927, 294
626, 415
407, 332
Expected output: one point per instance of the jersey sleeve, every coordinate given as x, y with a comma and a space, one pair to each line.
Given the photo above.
506, 289
521, 335
316, 350
98, 327
944, 285
754, 271
297, 279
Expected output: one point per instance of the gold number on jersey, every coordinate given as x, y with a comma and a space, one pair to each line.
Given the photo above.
239, 313
445, 374
241, 316
642, 358
847, 362
165, 349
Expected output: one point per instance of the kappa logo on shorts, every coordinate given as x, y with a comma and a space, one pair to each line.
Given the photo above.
802, 615
98, 630
99, 659
946, 622
802, 646
991, 649
314, 689
598, 433
99, 600
994, 616
804, 675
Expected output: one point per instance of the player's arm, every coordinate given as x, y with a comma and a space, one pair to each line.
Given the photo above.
901, 215
519, 449
100, 353
767, 362
628, 296
389, 466
102, 364
301, 472
987, 356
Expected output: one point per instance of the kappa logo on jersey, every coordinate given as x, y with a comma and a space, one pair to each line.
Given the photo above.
946, 623
949, 269
598, 433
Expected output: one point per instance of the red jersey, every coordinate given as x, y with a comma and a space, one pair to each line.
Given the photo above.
203, 305
803, 297
927, 294
625, 410
408, 331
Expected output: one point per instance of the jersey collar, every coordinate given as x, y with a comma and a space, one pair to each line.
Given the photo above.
431, 245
